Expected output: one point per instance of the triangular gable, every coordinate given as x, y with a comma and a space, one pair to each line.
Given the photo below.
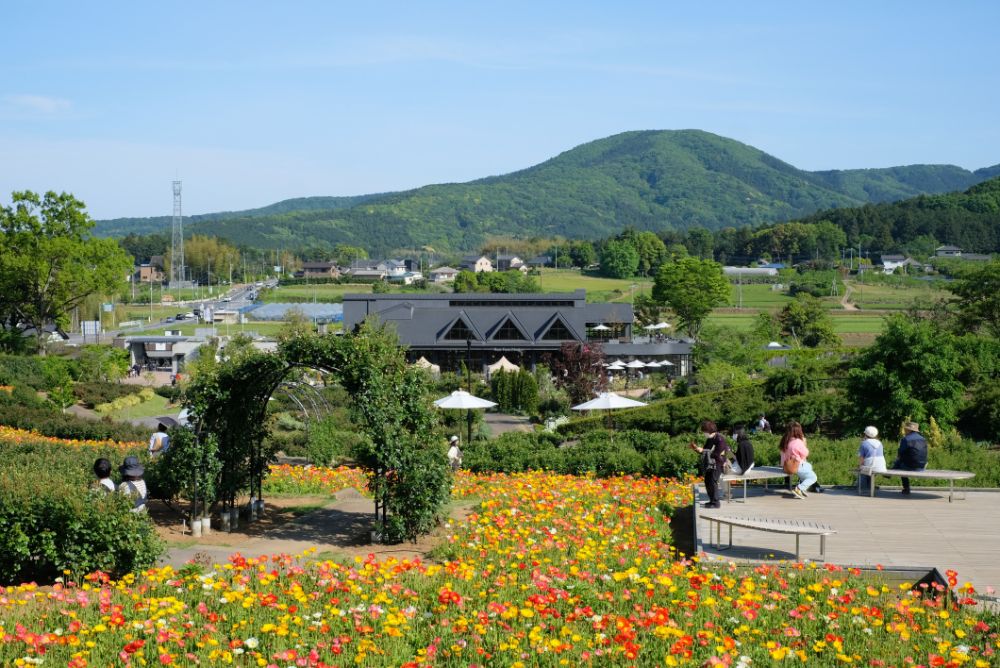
557, 329
509, 328
460, 329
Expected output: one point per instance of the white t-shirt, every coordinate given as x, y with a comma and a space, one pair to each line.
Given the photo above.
107, 483
158, 443
454, 454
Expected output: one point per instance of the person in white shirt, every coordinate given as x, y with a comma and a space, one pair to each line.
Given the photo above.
102, 469
159, 441
132, 484
454, 454
871, 456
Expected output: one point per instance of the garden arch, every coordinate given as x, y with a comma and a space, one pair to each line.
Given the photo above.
408, 476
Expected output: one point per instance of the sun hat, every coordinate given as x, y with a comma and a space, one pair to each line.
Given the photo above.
871, 432
132, 467
453, 439
911, 426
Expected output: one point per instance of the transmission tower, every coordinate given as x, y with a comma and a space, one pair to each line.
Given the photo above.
177, 241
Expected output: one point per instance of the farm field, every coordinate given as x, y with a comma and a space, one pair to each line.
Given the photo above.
188, 329
844, 322
325, 292
881, 296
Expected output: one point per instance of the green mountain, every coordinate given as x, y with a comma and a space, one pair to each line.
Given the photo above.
654, 180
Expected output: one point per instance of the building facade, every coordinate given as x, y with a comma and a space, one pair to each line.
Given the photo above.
479, 329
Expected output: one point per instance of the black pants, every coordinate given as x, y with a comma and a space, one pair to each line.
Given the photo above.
712, 485
906, 481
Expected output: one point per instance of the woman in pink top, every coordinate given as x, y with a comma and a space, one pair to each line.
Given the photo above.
793, 447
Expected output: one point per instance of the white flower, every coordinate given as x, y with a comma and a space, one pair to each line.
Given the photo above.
252, 642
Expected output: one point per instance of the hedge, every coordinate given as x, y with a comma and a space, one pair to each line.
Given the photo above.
95, 393
651, 454
681, 415
20, 412
51, 520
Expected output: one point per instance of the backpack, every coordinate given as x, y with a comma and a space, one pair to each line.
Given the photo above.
705, 461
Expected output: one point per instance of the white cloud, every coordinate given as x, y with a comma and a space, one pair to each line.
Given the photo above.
38, 104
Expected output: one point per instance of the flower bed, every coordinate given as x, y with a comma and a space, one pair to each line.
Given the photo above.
18, 436
550, 570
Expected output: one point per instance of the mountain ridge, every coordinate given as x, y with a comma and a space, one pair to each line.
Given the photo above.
649, 179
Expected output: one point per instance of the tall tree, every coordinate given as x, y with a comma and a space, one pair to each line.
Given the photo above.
579, 369
978, 298
691, 287
49, 262
911, 370
619, 259
805, 320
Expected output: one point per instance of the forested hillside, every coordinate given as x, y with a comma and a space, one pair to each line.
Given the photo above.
969, 219
650, 180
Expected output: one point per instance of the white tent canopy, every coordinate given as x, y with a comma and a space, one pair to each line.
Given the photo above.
659, 325
608, 401
424, 363
601, 328
503, 364
636, 364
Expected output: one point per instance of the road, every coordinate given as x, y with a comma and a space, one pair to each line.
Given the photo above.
240, 296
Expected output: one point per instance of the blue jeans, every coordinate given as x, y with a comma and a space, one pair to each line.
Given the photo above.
806, 476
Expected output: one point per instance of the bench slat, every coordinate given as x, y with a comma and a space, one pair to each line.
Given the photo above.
774, 525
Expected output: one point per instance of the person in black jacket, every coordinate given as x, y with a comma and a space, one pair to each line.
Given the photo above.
718, 453
744, 452
912, 455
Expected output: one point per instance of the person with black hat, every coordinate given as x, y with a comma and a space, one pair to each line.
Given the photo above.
132, 483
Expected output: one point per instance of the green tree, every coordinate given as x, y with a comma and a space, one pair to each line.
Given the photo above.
912, 370
49, 262
102, 364
700, 243
582, 254
978, 298
805, 320
652, 251
619, 259
691, 287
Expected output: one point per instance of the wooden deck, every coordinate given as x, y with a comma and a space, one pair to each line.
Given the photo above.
922, 529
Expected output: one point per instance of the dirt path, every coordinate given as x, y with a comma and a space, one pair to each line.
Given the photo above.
845, 301
340, 528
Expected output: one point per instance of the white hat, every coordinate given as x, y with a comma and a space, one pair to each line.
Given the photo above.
453, 439
871, 432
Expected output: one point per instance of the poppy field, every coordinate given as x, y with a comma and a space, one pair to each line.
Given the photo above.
549, 570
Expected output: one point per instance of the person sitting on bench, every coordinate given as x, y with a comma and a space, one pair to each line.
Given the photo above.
744, 452
912, 455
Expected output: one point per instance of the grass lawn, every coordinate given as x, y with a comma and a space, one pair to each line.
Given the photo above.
599, 289
153, 408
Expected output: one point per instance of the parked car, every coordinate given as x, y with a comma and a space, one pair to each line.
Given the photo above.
180, 316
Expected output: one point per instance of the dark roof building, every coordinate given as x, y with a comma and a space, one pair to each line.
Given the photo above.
447, 329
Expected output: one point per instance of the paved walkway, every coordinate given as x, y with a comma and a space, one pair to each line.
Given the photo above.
922, 530
501, 423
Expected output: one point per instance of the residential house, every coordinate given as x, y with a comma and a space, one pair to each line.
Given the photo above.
476, 263
406, 278
148, 273
443, 274
506, 262
540, 261
320, 270
948, 251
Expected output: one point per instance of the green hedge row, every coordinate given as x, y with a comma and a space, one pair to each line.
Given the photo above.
51, 520
604, 453
27, 412
95, 393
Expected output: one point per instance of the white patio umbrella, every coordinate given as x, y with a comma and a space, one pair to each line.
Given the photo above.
663, 325
650, 327
775, 345
601, 328
653, 365
636, 364
616, 366
462, 400
608, 401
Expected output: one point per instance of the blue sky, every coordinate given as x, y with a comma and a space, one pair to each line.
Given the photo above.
249, 103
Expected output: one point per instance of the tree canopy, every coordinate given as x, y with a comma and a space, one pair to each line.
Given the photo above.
50, 263
691, 287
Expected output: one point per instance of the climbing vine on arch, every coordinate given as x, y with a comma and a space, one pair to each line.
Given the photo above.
408, 475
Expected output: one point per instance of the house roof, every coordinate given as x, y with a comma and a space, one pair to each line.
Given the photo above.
948, 248
444, 270
318, 265
474, 258
893, 258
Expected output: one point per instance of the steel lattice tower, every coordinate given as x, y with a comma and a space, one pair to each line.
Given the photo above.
177, 241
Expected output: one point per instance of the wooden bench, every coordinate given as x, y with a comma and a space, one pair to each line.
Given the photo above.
764, 473
797, 527
936, 474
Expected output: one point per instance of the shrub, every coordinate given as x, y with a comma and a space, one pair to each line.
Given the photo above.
26, 411
50, 520
171, 392
93, 393
515, 392
189, 468
328, 443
